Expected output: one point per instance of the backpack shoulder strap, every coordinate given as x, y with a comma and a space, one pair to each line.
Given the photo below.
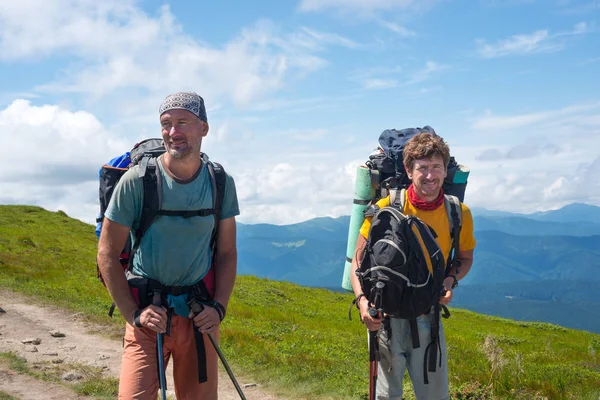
218, 179
454, 213
151, 200
398, 199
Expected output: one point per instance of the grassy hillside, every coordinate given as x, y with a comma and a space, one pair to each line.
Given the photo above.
299, 340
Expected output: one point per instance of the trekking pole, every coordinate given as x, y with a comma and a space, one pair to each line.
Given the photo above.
373, 358
374, 312
197, 309
157, 301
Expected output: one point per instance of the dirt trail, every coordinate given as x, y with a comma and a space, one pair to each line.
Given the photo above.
24, 320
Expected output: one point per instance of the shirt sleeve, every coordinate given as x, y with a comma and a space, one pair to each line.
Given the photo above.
125, 204
364, 230
467, 232
230, 206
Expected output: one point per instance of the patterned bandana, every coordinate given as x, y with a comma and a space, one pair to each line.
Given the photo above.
189, 101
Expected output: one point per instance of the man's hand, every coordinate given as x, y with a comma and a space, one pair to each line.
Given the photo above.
447, 290
154, 318
207, 321
372, 323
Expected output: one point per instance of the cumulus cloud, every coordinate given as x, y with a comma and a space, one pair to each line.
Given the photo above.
52, 155
294, 191
120, 49
556, 160
541, 41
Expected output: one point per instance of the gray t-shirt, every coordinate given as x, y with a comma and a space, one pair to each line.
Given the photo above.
174, 250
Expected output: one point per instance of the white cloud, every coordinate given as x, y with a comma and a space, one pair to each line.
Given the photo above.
589, 61
295, 191
317, 37
540, 41
490, 122
120, 49
425, 73
382, 78
545, 159
377, 83
400, 30
362, 7
51, 157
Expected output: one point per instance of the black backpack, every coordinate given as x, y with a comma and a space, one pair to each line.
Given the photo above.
402, 273
145, 155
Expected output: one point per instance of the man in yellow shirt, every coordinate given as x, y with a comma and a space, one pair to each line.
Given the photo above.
425, 159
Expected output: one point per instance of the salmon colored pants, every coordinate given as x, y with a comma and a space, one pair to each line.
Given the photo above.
139, 369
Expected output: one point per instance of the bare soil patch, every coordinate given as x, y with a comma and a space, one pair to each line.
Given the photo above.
47, 335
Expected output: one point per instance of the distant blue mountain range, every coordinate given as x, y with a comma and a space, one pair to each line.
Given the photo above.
542, 266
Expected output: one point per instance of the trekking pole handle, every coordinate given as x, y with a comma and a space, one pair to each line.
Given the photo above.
196, 307
373, 312
157, 298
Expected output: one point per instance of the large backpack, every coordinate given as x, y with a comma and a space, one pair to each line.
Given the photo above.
387, 167
145, 155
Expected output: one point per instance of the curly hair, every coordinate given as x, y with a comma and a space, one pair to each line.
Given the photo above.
424, 145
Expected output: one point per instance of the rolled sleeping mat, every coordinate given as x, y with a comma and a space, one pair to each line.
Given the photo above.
456, 181
363, 194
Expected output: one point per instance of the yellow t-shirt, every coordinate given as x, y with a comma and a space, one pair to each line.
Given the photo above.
437, 220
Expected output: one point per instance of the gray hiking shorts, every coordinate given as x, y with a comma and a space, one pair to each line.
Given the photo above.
398, 355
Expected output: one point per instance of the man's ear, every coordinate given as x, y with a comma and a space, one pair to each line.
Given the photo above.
203, 128
408, 172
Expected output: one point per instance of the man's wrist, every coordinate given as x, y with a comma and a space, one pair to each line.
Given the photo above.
136, 318
453, 282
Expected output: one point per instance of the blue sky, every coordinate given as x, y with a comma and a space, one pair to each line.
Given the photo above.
299, 91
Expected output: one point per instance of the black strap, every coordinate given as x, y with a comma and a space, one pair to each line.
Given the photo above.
355, 302
371, 210
434, 347
205, 212
152, 200
414, 333
201, 355
361, 202
455, 235
218, 181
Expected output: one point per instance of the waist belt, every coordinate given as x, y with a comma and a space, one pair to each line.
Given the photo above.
145, 288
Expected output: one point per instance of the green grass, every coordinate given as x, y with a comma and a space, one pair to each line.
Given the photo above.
6, 396
298, 341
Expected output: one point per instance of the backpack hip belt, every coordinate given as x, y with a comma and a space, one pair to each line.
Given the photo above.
143, 288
